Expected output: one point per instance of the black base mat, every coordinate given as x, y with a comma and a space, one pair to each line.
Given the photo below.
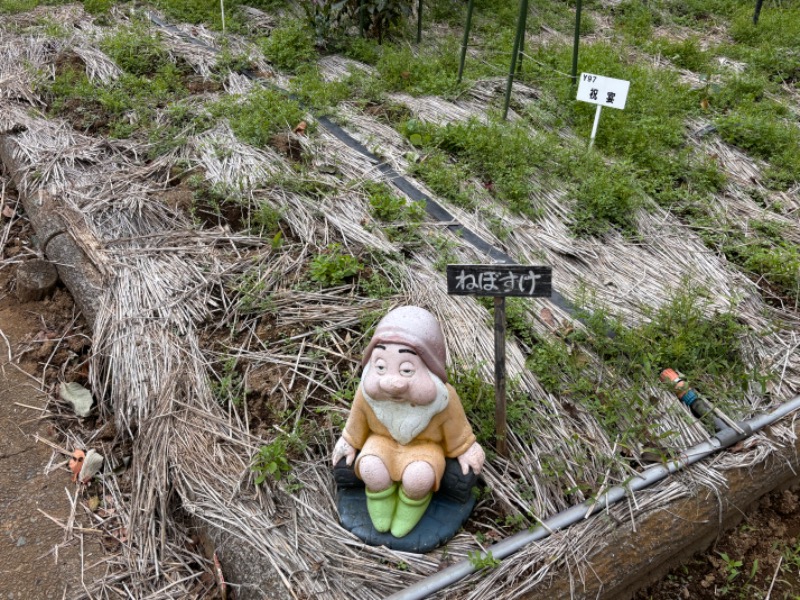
449, 509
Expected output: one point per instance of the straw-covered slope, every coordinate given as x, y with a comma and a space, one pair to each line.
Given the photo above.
247, 247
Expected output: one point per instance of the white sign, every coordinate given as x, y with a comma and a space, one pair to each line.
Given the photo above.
603, 91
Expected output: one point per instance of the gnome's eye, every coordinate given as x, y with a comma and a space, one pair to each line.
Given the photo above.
380, 366
407, 369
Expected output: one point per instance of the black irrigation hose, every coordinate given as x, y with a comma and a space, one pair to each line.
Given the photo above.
433, 208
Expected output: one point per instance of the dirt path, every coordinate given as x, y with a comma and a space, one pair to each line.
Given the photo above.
39, 560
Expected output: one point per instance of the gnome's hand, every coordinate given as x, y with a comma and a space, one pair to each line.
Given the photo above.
343, 449
474, 457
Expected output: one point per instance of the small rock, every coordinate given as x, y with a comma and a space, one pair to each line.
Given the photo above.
21, 541
78, 396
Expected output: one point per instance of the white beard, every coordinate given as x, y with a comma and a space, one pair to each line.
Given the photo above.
404, 420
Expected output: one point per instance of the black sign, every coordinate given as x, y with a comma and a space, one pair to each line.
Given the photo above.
500, 280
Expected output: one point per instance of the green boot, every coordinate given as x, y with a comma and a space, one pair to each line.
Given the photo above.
408, 514
380, 506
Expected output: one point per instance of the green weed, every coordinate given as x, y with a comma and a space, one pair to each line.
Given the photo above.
119, 108
228, 388
481, 560
177, 122
427, 71
478, 399
361, 49
444, 177
333, 266
401, 219
684, 54
504, 157
253, 292
98, 7
290, 46
381, 279
267, 220
635, 19
314, 92
136, 50
258, 116
19, 6
606, 197
679, 335
272, 459
767, 136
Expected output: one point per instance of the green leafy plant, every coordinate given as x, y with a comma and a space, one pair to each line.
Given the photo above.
443, 176
290, 46
482, 560
733, 567
679, 335
313, 91
120, 108
19, 6
258, 116
272, 459
333, 266
136, 50
98, 7
503, 156
606, 198
228, 388
421, 72
401, 218
685, 54
267, 219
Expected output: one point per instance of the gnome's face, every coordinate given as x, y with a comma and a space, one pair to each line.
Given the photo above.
397, 373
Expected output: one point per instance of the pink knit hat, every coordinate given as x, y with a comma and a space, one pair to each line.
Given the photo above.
414, 327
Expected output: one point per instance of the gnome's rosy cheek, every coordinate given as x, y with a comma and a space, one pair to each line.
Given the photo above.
421, 387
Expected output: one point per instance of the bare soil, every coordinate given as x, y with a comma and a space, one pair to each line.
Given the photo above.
759, 559
41, 559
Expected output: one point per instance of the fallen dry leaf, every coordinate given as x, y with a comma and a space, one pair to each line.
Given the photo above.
547, 316
223, 588
301, 128
8, 212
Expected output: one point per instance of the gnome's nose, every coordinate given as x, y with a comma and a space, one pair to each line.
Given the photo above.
394, 385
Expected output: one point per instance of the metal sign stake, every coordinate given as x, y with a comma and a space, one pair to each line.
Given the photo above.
594, 126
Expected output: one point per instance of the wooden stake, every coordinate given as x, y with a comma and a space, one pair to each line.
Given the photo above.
500, 375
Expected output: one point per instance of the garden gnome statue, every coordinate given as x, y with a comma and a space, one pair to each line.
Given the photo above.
405, 420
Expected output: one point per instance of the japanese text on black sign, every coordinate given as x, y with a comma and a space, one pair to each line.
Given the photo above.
499, 280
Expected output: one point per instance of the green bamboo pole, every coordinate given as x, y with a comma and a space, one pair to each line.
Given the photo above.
361, 18
757, 11
521, 52
465, 41
523, 11
419, 22
576, 43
